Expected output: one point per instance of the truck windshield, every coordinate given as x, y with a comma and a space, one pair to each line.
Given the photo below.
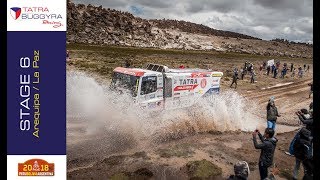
122, 82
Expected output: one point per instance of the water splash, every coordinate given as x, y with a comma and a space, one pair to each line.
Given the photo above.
101, 110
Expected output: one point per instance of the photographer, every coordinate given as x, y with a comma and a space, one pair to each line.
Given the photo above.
308, 121
267, 147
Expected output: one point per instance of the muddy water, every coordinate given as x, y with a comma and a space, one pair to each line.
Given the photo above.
97, 117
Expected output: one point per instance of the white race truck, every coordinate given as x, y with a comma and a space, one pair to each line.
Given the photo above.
157, 87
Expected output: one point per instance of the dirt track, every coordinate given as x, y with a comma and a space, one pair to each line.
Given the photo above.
106, 152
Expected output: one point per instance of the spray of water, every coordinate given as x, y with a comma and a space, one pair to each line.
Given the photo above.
99, 109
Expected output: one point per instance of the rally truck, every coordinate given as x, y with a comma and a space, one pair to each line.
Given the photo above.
158, 87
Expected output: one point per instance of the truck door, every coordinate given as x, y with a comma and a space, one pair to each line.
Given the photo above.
150, 96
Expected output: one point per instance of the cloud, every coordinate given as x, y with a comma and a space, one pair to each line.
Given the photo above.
265, 19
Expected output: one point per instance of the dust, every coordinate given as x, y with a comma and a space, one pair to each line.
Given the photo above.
95, 109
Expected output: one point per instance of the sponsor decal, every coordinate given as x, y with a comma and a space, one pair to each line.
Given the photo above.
36, 167
201, 74
188, 81
186, 87
203, 83
43, 14
215, 82
216, 75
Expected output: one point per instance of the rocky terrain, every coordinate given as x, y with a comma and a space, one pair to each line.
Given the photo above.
97, 25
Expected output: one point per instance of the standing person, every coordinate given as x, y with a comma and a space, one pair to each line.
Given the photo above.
268, 70
308, 67
293, 72
234, 79
282, 73
291, 68
311, 89
275, 73
304, 67
242, 74
261, 67
267, 147
303, 152
300, 72
272, 68
272, 114
253, 74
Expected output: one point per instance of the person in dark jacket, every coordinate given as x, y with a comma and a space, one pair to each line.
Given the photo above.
272, 114
253, 74
275, 73
267, 147
234, 79
303, 153
268, 70
272, 68
308, 121
291, 68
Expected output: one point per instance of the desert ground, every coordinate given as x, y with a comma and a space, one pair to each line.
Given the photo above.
104, 144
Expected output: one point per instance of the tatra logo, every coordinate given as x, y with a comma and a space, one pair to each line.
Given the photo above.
37, 13
188, 81
15, 12
36, 167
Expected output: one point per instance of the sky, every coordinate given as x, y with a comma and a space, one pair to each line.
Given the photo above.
265, 19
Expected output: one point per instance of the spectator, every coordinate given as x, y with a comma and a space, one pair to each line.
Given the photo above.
181, 66
253, 74
242, 74
275, 73
307, 121
302, 150
300, 73
264, 65
282, 73
272, 114
267, 147
291, 68
268, 70
311, 89
272, 68
308, 67
293, 72
304, 67
261, 67
234, 79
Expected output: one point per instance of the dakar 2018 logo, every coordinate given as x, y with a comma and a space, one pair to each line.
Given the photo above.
36, 13
36, 167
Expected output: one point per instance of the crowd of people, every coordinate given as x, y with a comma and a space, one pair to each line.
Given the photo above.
274, 70
301, 146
